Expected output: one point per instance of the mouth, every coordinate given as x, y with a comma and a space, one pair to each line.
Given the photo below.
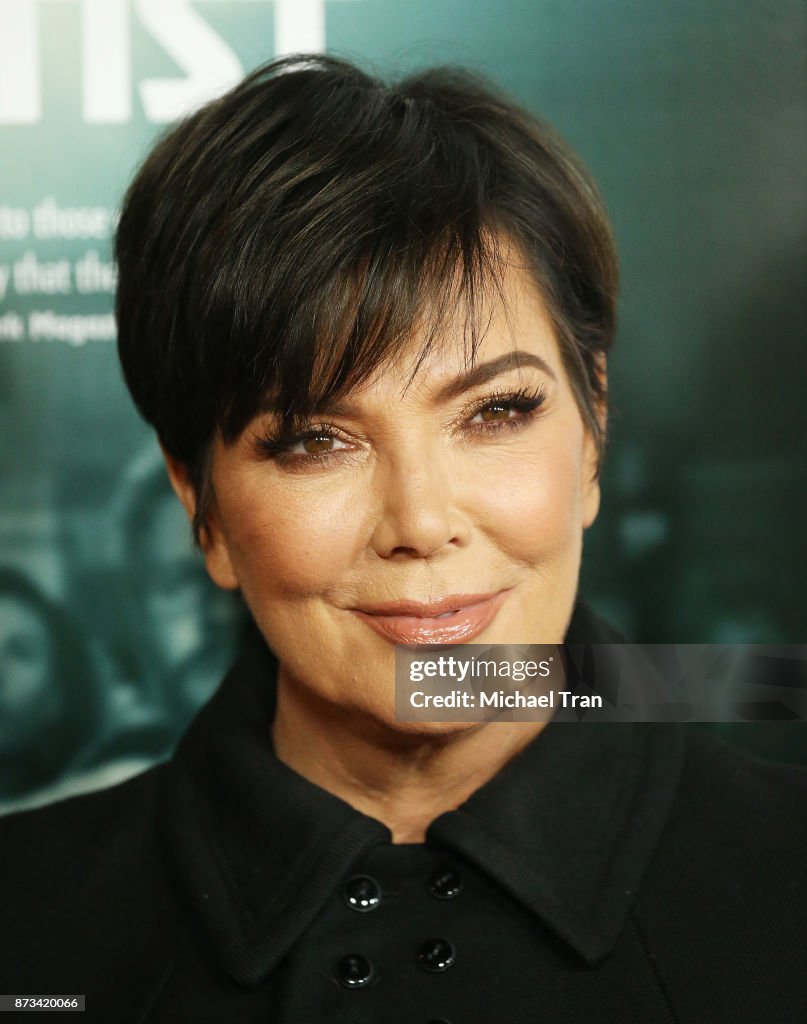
455, 619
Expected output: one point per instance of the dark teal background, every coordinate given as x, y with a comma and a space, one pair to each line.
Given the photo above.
693, 118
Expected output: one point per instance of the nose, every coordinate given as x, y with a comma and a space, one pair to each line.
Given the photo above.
419, 515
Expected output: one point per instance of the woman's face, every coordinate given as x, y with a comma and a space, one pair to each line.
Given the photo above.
466, 484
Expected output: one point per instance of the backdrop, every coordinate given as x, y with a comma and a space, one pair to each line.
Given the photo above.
692, 116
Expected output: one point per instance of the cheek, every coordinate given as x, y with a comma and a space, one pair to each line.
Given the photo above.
291, 541
531, 498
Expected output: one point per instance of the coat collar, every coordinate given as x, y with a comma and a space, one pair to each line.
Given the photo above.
567, 827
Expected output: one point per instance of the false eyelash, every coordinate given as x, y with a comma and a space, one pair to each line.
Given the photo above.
278, 444
525, 401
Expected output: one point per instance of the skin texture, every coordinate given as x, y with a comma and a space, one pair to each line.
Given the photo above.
416, 497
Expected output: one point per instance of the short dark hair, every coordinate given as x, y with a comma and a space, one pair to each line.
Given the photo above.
282, 242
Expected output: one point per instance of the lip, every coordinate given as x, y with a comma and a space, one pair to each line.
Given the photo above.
416, 622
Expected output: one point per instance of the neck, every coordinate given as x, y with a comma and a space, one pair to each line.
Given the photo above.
403, 779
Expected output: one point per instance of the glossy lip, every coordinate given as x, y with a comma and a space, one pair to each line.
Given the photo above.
416, 622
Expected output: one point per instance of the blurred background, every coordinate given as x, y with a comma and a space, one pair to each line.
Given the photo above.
692, 115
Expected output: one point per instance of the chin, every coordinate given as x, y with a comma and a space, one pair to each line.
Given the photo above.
412, 733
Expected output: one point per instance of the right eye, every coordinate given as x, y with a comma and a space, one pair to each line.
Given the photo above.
317, 443
320, 443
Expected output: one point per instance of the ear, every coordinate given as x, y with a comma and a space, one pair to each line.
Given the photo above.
211, 537
591, 482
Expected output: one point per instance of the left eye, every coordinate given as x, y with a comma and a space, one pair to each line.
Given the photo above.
495, 412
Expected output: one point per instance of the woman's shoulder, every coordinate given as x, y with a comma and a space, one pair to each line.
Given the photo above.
734, 809
77, 880
75, 817
722, 906
61, 855
64, 849
724, 783
727, 884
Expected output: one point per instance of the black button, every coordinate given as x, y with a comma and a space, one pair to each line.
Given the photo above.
446, 884
362, 893
354, 971
436, 955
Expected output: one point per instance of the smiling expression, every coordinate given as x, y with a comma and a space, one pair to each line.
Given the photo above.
468, 489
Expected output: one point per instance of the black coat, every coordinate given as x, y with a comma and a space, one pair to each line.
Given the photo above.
611, 873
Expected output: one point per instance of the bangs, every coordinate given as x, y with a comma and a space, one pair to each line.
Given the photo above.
353, 325
289, 240
372, 242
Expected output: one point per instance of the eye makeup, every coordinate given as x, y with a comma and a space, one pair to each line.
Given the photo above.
505, 409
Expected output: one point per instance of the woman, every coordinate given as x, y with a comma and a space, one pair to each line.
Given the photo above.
369, 325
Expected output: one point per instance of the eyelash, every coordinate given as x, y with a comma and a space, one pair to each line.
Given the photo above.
526, 402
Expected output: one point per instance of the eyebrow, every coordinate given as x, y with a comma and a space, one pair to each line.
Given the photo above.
486, 371
471, 378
